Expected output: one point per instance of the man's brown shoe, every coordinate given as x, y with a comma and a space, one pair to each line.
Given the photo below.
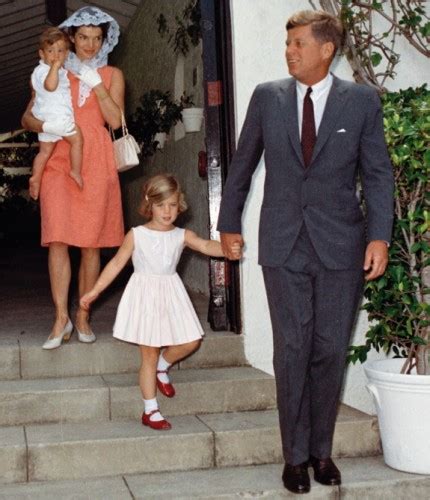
296, 478
325, 471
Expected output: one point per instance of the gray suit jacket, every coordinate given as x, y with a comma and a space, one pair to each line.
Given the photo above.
350, 141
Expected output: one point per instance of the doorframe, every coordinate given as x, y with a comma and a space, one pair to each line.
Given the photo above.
224, 281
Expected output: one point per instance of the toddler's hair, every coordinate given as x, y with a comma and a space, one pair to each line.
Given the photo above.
52, 35
157, 189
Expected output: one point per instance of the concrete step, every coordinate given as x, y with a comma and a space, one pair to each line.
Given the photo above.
213, 390
24, 358
94, 449
75, 399
362, 479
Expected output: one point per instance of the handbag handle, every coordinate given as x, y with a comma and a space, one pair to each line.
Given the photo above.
123, 126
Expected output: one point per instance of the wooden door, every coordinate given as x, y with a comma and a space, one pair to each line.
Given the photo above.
224, 307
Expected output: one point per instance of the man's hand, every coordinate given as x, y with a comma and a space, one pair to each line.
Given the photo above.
376, 259
230, 243
62, 126
90, 77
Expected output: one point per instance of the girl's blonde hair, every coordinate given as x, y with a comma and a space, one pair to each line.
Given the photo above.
157, 189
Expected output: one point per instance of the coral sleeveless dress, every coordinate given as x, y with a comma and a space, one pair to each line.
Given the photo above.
155, 309
91, 217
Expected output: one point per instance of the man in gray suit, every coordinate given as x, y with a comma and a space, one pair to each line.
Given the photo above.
318, 133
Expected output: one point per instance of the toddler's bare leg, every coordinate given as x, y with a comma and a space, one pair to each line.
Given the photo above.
76, 145
39, 162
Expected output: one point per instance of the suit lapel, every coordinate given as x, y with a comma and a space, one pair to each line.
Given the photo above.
287, 96
333, 107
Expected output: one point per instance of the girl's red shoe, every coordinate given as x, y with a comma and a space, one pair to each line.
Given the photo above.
160, 425
167, 389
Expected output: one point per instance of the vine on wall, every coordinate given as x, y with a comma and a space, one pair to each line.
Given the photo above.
372, 54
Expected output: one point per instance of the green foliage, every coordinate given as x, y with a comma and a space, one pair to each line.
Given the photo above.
157, 113
396, 301
186, 101
19, 215
188, 31
368, 49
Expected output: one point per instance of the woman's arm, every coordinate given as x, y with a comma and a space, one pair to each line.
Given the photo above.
28, 121
111, 271
111, 101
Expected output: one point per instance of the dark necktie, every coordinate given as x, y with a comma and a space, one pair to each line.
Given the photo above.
308, 128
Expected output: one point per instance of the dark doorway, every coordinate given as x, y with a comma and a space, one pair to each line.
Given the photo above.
224, 306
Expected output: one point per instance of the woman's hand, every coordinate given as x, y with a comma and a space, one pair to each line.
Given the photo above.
88, 299
90, 77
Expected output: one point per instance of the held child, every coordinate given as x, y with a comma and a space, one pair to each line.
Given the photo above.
155, 310
53, 105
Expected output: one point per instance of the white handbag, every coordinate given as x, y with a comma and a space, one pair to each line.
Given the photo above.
125, 149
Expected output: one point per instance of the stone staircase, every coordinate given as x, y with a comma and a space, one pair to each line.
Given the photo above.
70, 428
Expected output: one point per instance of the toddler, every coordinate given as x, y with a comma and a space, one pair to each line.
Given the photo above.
155, 311
53, 106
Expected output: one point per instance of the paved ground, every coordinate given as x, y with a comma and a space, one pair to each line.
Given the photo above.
25, 302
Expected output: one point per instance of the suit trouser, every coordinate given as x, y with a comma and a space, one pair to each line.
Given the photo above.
312, 310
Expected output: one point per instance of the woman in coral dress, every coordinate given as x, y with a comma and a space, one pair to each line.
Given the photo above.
90, 218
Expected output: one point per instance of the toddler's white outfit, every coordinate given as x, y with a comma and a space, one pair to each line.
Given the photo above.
155, 309
49, 106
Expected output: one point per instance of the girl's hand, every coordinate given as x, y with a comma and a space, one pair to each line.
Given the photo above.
87, 299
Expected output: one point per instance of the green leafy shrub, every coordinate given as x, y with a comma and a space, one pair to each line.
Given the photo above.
396, 302
157, 113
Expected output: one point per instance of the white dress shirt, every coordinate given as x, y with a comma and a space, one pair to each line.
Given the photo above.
319, 96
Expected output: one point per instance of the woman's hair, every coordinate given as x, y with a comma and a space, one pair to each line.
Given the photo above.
104, 27
52, 35
159, 188
325, 27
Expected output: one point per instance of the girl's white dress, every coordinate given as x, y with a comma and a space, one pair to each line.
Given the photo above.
155, 309
50, 106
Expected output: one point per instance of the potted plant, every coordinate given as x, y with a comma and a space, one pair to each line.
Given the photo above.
192, 117
398, 302
153, 119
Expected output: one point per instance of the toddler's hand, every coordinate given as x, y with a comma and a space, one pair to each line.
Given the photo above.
90, 77
63, 127
87, 299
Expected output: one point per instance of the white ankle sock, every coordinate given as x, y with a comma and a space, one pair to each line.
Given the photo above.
151, 405
163, 365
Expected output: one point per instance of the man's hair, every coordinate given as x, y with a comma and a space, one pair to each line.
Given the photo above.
325, 27
52, 35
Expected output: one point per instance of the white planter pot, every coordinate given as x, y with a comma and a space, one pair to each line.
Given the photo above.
192, 119
403, 406
160, 137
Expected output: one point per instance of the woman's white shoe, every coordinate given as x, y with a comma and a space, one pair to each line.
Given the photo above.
54, 342
86, 338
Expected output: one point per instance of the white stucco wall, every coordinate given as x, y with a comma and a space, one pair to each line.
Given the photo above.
258, 53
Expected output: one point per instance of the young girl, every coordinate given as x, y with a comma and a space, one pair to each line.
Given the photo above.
155, 310
53, 105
